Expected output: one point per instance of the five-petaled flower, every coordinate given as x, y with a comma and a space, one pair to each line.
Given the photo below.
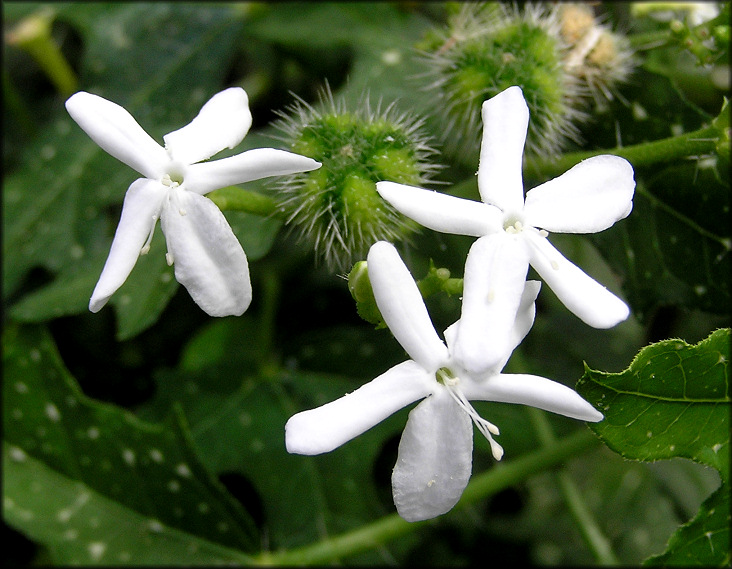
208, 259
512, 231
435, 452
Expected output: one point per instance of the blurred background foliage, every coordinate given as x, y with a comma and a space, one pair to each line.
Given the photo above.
161, 410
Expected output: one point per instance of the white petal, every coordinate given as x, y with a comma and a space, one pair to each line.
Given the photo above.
117, 132
521, 326
435, 459
140, 212
505, 124
208, 259
250, 165
402, 307
222, 122
327, 427
588, 198
495, 273
579, 292
441, 212
535, 391
524, 319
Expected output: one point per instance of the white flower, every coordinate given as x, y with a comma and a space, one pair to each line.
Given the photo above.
435, 453
209, 260
588, 198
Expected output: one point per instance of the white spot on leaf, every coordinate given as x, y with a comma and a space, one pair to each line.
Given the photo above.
52, 412
129, 456
96, 550
183, 470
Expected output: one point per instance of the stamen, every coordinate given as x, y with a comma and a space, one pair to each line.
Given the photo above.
512, 225
169, 259
450, 381
168, 181
146, 247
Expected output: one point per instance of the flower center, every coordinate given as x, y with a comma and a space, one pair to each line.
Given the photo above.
446, 377
174, 176
170, 182
513, 224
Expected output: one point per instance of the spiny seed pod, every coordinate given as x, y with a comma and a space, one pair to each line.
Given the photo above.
336, 208
486, 48
597, 56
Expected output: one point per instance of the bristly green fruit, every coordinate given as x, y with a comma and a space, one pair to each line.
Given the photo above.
486, 48
336, 208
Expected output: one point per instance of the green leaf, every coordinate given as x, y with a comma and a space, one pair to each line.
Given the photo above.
645, 509
673, 400
80, 526
674, 247
237, 417
703, 541
94, 483
241, 430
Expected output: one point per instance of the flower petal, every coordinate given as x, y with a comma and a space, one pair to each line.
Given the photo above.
532, 390
140, 211
250, 165
521, 326
505, 124
579, 292
588, 198
327, 427
117, 132
208, 258
442, 212
222, 122
524, 319
435, 459
495, 273
402, 307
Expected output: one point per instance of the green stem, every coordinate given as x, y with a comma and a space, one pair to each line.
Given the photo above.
593, 536
650, 40
33, 35
239, 199
392, 526
699, 142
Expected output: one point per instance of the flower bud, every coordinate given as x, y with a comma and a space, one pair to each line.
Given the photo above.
336, 208
361, 291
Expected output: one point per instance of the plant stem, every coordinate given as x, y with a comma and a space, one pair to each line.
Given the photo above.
650, 40
33, 35
692, 144
392, 526
239, 199
593, 536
